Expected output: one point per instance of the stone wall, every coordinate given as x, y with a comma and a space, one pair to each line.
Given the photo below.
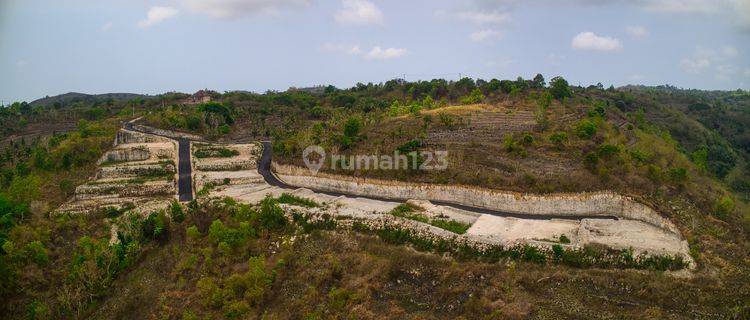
579, 204
129, 154
126, 136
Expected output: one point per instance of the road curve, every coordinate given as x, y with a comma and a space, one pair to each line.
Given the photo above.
185, 185
264, 168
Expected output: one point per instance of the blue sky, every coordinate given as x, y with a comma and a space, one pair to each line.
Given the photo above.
52, 47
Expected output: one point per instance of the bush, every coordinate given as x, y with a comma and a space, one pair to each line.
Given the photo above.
476, 96
451, 225
591, 160
192, 232
155, 227
606, 151
677, 175
527, 139
271, 216
559, 139
724, 207
297, 201
178, 215
585, 129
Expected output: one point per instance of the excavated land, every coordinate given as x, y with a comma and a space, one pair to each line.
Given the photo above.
138, 173
609, 219
217, 166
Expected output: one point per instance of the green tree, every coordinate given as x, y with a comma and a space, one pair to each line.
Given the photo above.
538, 81
476, 96
559, 88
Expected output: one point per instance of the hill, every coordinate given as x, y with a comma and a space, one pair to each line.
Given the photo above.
75, 97
682, 152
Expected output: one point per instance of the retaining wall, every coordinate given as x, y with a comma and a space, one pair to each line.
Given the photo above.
568, 204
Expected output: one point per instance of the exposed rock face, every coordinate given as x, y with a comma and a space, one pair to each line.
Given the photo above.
140, 170
236, 166
124, 155
135, 170
125, 189
583, 204
127, 137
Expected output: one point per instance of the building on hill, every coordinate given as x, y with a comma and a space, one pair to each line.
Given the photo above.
202, 96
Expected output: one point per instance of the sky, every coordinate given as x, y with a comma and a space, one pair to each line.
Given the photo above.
142, 46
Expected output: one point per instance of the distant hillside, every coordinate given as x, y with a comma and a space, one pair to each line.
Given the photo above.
73, 97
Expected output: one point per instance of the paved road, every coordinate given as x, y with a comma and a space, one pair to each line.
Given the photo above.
185, 185
185, 181
264, 168
184, 170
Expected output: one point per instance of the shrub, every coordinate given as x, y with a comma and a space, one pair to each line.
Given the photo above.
723, 207
271, 216
155, 227
298, 201
408, 211
677, 175
590, 161
564, 239
559, 139
178, 215
585, 129
606, 151
476, 96
192, 232
451, 225
224, 129
527, 139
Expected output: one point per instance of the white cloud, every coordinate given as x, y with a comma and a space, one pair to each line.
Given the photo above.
590, 41
358, 12
480, 17
706, 59
105, 27
485, 35
637, 31
747, 72
227, 9
378, 53
22, 63
341, 48
156, 15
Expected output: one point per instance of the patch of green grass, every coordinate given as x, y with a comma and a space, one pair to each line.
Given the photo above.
451, 225
215, 152
409, 212
297, 201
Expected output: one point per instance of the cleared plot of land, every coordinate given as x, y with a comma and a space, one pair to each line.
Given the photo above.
139, 174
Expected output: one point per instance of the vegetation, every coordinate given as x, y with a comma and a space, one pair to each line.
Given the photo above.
684, 152
412, 213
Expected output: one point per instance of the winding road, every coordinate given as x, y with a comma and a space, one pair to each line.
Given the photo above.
264, 168
185, 184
